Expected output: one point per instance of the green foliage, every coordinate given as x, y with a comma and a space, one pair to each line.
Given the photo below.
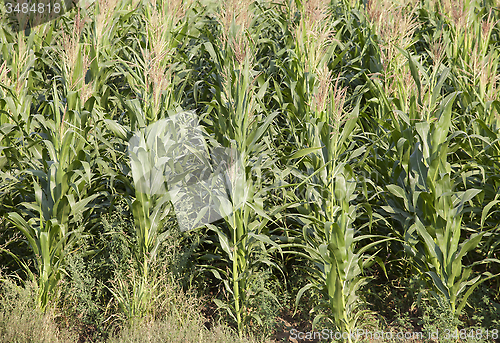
439, 317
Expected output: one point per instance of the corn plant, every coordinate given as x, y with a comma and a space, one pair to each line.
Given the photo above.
52, 150
61, 179
238, 123
425, 200
325, 182
244, 215
148, 70
326, 216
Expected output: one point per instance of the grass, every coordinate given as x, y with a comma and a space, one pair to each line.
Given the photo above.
21, 322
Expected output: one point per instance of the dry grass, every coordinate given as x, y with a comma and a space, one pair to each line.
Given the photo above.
22, 322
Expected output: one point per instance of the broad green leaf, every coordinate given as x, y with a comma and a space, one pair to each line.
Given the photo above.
303, 152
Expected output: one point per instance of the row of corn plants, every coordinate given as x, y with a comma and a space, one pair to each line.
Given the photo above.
347, 130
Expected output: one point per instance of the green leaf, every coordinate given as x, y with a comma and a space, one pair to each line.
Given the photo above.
440, 133
467, 196
303, 152
414, 73
222, 305
397, 191
486, 210
25, 228
438, 283
223, 240
350, 124
471, 289
437, 89
301, 293
117, 129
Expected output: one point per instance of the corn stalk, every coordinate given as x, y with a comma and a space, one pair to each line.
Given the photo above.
61, 181
239, 123
424, 198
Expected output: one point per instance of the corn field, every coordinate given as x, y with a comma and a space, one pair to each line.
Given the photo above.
268, 167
